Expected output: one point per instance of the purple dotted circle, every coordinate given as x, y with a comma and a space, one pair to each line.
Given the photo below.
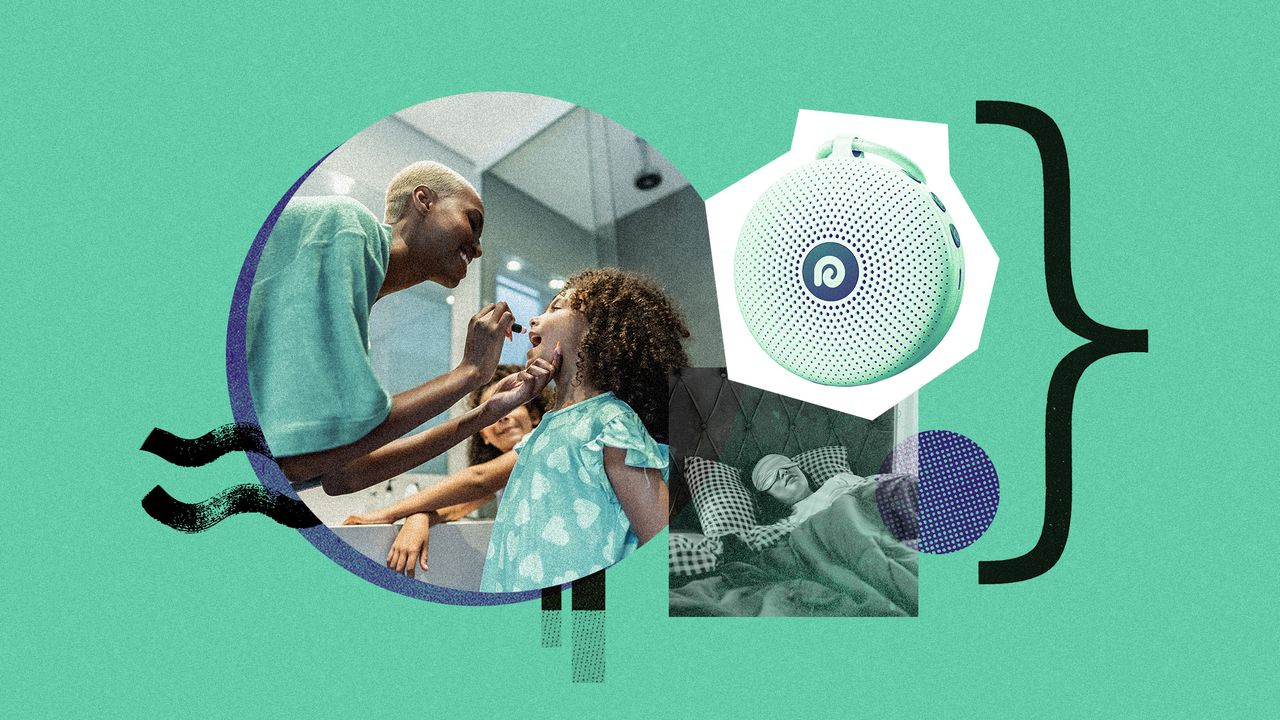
957, 496
270, 475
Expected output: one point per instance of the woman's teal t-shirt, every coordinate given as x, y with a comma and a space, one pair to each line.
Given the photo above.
559, 519
307, 331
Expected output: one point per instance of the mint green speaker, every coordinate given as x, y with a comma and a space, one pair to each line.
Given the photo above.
849, 270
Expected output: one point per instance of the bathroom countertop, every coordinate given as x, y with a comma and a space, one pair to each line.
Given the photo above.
456, 555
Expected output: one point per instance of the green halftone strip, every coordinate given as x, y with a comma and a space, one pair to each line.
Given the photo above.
587, 628
550, 628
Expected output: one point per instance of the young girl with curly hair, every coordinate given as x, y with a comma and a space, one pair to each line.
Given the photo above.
589, 485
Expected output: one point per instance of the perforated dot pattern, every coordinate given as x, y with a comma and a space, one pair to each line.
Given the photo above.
909, 271
959, 490
587, 631
550, 628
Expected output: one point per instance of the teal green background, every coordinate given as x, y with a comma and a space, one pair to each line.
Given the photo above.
144, 148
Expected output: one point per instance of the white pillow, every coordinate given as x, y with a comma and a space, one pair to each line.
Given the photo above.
819, 464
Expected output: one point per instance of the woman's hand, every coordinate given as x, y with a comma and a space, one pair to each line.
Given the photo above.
486, 332
519, 388
372, 518
410, 547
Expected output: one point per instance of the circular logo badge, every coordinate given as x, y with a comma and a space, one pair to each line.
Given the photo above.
830, 271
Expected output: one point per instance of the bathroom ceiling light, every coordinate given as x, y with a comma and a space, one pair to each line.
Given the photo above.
514, 265
341, 184
648, 178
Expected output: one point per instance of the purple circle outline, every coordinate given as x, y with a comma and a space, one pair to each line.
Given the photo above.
270, 475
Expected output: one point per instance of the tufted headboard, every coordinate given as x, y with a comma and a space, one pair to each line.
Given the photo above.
712, 417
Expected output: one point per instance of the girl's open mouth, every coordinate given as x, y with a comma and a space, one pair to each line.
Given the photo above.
535, 338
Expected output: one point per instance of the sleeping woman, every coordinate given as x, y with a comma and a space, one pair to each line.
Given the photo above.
894, 497
842, 554
781, 477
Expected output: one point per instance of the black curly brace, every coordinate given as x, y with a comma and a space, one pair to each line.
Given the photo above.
1103, 341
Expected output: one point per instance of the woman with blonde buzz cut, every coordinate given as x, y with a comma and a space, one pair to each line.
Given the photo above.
325, 416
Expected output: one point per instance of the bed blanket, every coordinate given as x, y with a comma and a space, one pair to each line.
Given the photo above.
840, 562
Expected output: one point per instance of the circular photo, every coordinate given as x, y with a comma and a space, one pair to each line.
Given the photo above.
456, 333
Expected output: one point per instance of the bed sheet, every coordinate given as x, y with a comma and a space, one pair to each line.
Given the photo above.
840, 562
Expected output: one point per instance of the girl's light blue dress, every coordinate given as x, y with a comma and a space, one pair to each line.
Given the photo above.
559, 519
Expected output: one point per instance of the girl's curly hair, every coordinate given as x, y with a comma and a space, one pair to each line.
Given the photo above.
479, 451
635, 336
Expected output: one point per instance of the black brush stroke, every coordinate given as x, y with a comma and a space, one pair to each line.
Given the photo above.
247, 498
1103, 341
232, 437
551, 598
588, 593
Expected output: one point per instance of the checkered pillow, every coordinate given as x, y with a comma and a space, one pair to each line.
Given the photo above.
762, 536
819, 464
693, 554
722, 501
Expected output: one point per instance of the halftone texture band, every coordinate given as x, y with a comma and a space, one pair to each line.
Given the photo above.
587, 628
551, 603
959, 490
550, 628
